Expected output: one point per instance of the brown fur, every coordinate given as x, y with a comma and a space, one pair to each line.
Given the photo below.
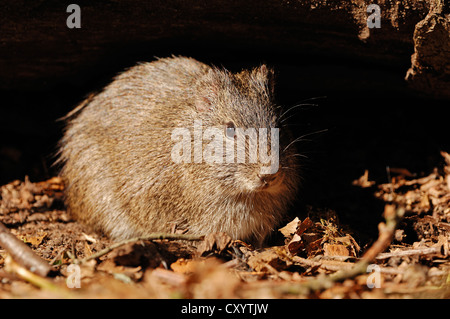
116, 152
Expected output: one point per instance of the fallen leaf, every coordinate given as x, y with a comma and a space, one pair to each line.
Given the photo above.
290, 227
274, 257
314, 248
305, 225
335, 250
34, 240
214, 242
349, 242
186, 266
295, 245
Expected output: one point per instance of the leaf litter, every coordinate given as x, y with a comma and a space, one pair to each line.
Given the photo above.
314, 250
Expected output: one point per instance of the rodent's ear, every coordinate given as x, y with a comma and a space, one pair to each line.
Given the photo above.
266, 75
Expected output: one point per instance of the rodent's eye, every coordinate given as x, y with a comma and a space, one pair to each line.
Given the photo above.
230, 130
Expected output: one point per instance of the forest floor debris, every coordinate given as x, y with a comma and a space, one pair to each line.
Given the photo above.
319, 256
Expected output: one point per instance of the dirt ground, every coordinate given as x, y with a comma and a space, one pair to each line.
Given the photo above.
373, 218
315, 256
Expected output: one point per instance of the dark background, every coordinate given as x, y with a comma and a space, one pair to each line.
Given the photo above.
373, 120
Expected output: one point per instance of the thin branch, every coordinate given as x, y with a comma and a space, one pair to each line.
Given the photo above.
154, 236
410, 252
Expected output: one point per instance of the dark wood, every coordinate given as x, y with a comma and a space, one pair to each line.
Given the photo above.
37, 49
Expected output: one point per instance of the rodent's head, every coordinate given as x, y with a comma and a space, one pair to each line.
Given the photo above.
240, 107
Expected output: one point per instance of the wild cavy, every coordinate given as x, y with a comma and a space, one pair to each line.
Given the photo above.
145, 154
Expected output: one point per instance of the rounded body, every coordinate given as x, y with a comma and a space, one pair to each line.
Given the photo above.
118, 154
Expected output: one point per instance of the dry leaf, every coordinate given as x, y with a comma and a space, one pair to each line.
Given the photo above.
349, 242
274, 257
335, 250
34, 240
186, 266
290, 227
314, 248
214, 242
304, 226
295, 245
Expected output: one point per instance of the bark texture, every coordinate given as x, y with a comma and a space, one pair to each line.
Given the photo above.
37, 48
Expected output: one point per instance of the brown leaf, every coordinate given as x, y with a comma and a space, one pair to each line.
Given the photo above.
185, 266
34, 240
274, 257
305, 225
314, 247
214, 242
335, 250
308, 238
290, 227
295, 245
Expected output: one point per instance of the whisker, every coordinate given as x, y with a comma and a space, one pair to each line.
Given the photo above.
299, 155
286, 118
315, 98
295, 106
301, 138
301, 104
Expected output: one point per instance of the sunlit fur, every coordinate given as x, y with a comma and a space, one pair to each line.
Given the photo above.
116, 154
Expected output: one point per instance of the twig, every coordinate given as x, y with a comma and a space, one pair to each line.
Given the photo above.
340, 265
392, 215
410, 252
12, 267
154, 236
331, 265
23, 254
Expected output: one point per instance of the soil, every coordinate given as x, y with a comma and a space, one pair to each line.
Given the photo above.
416, 263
